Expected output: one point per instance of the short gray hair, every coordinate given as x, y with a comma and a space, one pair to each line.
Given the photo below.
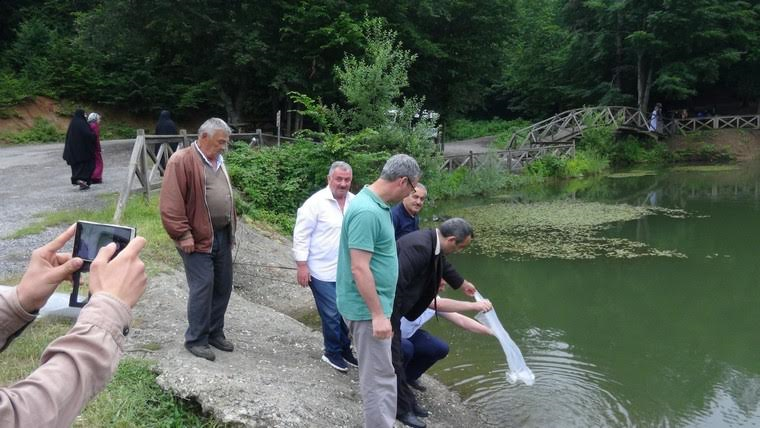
400, 165
421, 186
212, 125
339, 165
456, 227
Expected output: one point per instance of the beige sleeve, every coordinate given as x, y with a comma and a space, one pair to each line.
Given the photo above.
12, 316
73, 368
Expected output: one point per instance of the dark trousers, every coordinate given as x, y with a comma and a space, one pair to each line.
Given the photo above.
334, 329
209, 279
82, 171
405, 398
421, 351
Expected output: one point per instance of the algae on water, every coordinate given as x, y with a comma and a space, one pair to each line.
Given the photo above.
558, 229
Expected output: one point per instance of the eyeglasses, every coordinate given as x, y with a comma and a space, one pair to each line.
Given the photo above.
409, 183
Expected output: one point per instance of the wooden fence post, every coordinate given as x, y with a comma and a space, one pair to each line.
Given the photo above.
183, 133
131, 170
472, 161
144, 166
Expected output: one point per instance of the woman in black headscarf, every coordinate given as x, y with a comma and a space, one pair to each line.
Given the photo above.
79, 150
165, 126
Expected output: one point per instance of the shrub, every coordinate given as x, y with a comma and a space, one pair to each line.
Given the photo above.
116, 130
586, 163
548, 166
42, 132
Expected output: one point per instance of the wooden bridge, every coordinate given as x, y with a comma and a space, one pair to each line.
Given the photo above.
555, 134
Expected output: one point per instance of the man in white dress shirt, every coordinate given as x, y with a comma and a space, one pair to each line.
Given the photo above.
315, 248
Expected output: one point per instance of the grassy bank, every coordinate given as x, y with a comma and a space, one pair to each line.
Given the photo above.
133, 398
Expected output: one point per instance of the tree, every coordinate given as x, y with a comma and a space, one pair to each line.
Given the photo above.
673, 47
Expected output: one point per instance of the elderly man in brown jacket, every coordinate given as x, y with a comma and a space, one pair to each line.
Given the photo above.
198, 213
78, 365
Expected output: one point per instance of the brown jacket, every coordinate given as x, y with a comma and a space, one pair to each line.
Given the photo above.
73, 368
183, 205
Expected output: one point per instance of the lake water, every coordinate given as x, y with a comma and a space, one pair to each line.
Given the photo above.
648, 341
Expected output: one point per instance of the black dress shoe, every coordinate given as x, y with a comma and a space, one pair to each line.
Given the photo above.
420, 411
409, 419
221, 344
202, 351
416, 385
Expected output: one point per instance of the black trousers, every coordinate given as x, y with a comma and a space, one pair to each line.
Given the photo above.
405, 399
209, 279
82, 171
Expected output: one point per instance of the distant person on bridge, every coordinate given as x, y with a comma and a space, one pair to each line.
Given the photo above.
97, 174
79, 150
79, 364
655, 121
165, 126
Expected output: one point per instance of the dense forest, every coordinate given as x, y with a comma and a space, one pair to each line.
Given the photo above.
241, 59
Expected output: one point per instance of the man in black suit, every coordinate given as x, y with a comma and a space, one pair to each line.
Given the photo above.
422, 265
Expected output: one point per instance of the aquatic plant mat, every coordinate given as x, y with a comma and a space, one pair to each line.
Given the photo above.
558, 229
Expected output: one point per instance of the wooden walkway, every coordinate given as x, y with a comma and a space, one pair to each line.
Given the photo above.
555, 134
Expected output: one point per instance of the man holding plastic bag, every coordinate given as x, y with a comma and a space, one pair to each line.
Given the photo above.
422, 264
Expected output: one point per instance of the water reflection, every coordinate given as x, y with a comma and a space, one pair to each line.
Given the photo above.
615, 342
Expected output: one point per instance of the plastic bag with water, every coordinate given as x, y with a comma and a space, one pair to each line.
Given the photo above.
518, 370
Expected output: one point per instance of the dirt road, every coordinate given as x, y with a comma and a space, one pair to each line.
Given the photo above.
35, 181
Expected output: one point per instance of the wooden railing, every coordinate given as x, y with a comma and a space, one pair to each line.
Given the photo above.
569, 125
692, 124
511, 160
145, 163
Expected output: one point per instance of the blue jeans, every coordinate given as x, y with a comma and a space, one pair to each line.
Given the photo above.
421, 351
334, 329
209, 279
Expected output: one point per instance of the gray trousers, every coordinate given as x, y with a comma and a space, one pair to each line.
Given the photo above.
377, 380
209, 279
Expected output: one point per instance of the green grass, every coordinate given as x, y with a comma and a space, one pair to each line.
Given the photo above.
133, 398
23, 355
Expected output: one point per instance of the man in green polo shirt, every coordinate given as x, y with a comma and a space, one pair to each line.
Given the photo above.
366, 283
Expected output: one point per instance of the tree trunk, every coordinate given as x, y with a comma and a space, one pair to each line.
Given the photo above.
643, 82
233, 106
617, 79
288, 117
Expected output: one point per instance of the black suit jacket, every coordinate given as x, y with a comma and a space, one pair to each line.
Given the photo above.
419, 273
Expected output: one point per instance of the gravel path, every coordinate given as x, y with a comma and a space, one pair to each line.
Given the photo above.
463, 147
36, 181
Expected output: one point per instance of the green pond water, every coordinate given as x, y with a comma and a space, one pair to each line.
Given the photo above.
643, 339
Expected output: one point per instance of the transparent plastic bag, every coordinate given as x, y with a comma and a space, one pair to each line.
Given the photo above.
518, 370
